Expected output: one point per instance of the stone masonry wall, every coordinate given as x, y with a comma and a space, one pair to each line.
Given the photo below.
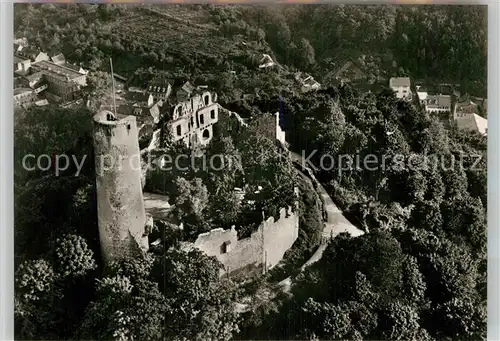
267, 244
121, 213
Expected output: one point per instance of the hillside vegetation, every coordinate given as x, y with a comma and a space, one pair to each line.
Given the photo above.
205, 43
418, 272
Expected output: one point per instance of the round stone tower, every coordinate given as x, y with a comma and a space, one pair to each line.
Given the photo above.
120, 206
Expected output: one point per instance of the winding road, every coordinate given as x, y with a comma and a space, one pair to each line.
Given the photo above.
334, 224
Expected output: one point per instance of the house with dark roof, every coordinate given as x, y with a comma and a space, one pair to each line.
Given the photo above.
32, 80
466, 107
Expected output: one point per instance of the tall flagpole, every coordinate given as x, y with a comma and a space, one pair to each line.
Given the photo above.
113, 80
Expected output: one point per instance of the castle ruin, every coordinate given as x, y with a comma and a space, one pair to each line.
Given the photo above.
193, 119
120, 206
262, 250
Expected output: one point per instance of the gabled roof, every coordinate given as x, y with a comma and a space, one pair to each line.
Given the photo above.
35, 76
30, 52
473, 122
58, 59
344, 64
422, 95
187, 87
137, 96
399, 81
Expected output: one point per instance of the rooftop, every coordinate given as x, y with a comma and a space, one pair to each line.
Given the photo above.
58, 58
34, 76
137, 96
399, 81
439, 100
188, 87
18, 59
72, 67
158, 88
19, 91
422, 95
59, 71
473, 122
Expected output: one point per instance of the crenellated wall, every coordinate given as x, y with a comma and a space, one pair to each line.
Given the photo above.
267, 245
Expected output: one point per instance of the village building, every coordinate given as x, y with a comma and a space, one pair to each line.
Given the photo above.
349, 71
466, 107
33, 54
32, 80
160, 92
76, 68
438, 104
421, 94
472, 122
185, 92
307, 82
21, 64
24, 96
57, 57
63, 83
266, 61
141, 105
401, 86
193, 119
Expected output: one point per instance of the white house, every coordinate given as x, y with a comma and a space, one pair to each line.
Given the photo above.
401, 86
438, 103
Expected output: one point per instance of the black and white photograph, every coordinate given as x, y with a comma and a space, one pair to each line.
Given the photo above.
281, 171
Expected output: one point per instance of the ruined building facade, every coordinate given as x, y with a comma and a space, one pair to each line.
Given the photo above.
193, 120
121, 215
262, 250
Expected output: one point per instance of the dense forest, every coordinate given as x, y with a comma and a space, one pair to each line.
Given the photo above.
431, 43
418, 272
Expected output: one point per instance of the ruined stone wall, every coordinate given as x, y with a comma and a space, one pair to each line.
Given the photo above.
193, 120
121, 214
267, 244
279, 236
